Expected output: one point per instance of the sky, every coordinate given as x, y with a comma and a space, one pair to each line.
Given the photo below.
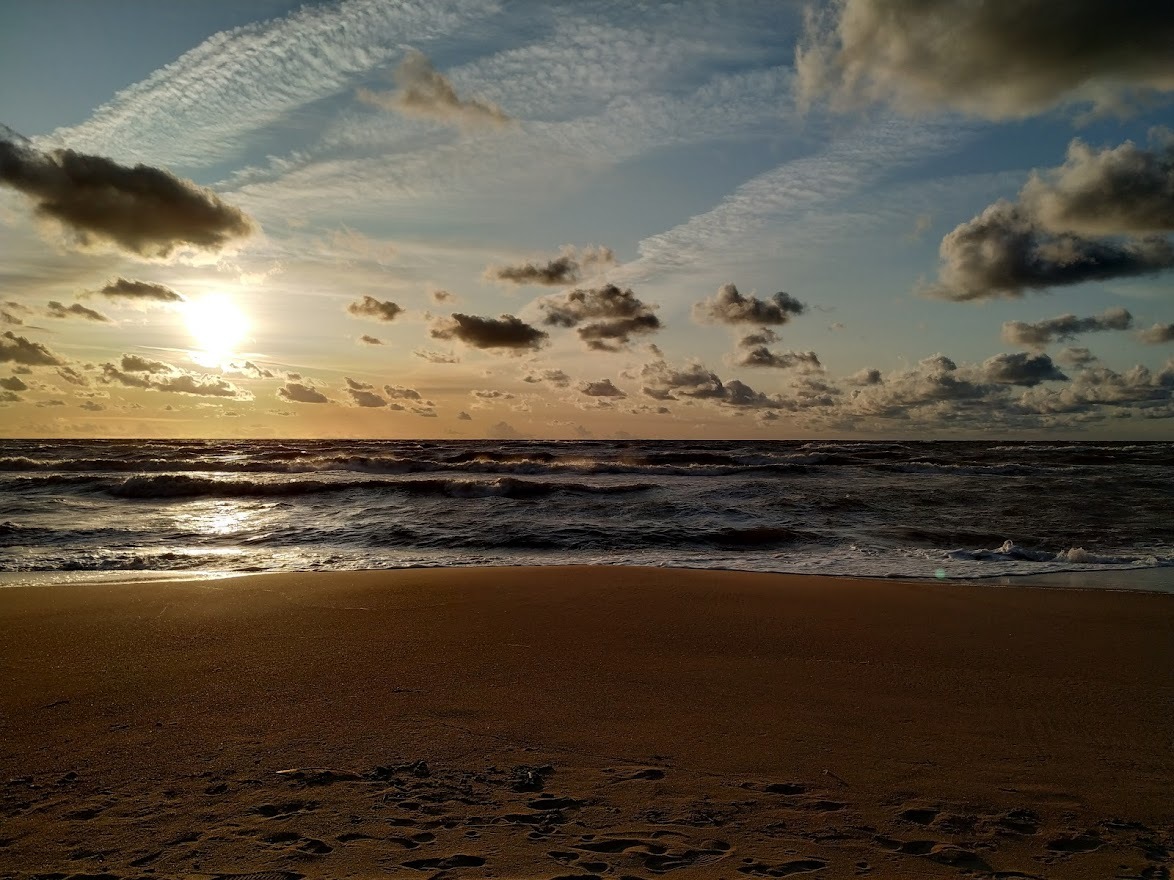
587, 219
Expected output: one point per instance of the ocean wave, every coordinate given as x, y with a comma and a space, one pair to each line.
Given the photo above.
185, 486
930, 468
1012, 552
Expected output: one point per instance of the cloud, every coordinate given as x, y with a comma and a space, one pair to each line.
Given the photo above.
557, 378
697, 382
566, 268
92, 406
19, 350
141, 211
602, 388
399, 392
72, 376
503, 431
463, 416
363, 396
10, 312
436, 357
729, 306
1118, 191
1075, 357
606, 317
1004, 252
866, 376
425, 92
136, 372
74, 310
200, 109
1021, 368
761, 356
484, 396
139, 291
370, 340
993, 59
1157, 334
370, 307
134, 363
297, 392
13, 383
506, 332
442, 296
1096, 389
1064, 328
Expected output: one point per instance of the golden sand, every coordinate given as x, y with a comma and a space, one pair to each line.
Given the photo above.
607, 722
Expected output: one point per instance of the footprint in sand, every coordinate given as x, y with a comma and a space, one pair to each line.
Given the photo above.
460, 860
786, 869
284, 809
1075, 843
920, 816
790, 788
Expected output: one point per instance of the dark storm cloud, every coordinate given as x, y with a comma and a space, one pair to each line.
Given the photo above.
1021, 368
566, 268
602, 388
297, 392
425, 92
1004, 252
144, 211
370, 307
18, 350
729, 306
1118, 191
606, 318
994, 59
506, 332
1157, 334
1064, 328
74, 310
139, 291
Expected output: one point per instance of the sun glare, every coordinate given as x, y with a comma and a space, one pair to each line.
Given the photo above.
217, 328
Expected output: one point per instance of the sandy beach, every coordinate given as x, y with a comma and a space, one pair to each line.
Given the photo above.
578, 722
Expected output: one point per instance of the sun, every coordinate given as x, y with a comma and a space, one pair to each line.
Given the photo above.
217, 328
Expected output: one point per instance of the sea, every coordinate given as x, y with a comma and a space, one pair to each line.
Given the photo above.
70, 510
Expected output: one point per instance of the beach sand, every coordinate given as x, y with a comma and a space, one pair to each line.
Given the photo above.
575, 722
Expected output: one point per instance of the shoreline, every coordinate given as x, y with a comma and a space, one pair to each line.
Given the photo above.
586, 721
1149, 579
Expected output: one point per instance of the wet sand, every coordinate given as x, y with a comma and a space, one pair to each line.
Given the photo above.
576, 722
